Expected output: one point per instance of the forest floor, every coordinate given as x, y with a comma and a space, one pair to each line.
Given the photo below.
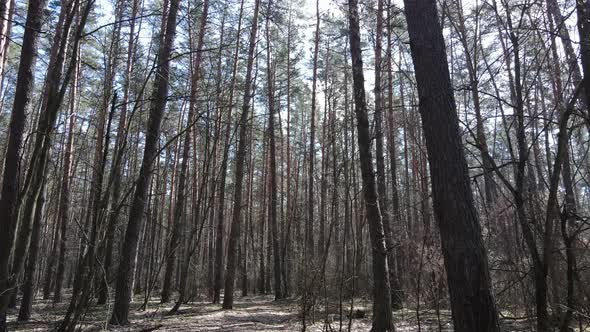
253, 313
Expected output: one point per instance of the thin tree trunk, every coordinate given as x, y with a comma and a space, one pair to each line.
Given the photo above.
64, 199
471, 64
382, 313
234, 235
310, 199
380, 156
583, 11
180, 192
395, 216
223, 171
117, 164
7, 8
272, 216
263, 215
286, 245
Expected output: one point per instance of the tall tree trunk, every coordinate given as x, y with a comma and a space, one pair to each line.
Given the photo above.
10, 183
286, 245
234, 234
310, 199
103, 119
472, 303
64, 198
55, 89
126, 269
382, 313
380, 155
170, 255
211, 268
272, 216
117, 163
217, 281
395, 216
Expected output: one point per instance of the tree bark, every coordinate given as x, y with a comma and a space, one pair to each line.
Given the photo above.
272, 216
117, 163
7, 9
472, 303
180, 191
309, 234
126, 269
217, 281
583, 11
382, 313
380, 157
28, 287
234, 234
10, 184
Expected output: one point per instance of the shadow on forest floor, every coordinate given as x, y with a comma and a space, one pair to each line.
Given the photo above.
253, 313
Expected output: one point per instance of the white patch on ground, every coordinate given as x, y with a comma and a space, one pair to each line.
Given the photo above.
253, 313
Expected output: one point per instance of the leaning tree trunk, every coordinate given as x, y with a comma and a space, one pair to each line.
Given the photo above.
472, 303
127, 262
382, 313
